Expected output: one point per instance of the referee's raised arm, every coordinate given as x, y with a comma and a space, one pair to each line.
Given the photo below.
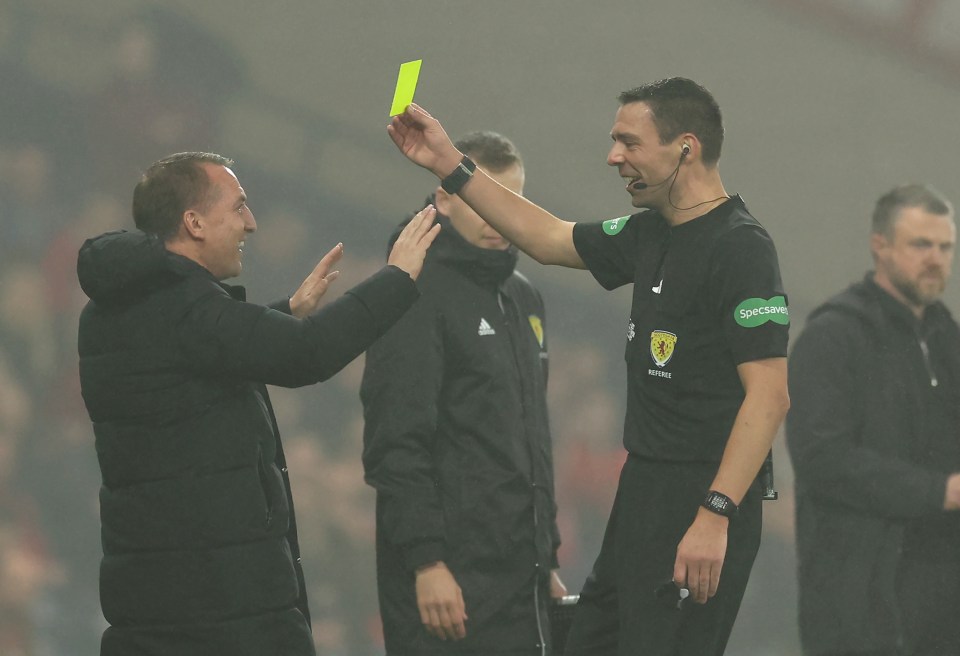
536, 232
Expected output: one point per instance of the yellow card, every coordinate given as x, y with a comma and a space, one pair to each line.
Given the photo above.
406, 85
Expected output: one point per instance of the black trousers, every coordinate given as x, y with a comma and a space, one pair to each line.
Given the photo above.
619, 613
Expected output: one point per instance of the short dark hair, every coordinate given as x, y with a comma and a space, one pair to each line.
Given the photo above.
491, 150
680, 105
169, 188
888, 206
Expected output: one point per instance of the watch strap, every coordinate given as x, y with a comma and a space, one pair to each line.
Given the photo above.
454, 182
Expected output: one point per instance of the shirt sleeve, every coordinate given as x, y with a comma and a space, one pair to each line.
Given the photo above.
745, 280
609, 249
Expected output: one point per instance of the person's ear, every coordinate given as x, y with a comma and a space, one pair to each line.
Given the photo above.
878, 243
690, 147
193, 222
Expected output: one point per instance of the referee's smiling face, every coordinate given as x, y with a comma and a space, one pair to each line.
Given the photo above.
639, 156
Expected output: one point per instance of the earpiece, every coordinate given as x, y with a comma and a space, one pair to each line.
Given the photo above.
685, 150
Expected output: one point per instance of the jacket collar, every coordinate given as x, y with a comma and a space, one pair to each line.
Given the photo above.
121, 267
877, 307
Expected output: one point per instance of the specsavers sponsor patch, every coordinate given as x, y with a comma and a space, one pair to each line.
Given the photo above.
613, 226
755, 312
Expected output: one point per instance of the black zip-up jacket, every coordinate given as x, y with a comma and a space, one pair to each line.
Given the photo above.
856, 376
199, 541
457, 445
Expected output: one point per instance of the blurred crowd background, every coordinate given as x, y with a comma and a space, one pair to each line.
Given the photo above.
827, 105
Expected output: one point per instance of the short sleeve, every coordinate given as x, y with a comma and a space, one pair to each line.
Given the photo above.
609, 249
753, 308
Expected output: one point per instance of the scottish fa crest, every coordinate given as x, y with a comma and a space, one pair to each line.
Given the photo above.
662, 345
537, 327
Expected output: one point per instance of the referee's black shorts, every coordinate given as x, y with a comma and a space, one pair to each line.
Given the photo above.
619, 613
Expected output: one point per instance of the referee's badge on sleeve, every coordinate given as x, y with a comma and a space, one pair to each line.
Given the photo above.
755, 312
613, 226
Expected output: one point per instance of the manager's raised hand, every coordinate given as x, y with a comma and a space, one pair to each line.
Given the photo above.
306, 299
412, 244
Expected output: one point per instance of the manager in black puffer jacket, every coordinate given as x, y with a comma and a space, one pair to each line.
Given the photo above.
457, 445
199, 541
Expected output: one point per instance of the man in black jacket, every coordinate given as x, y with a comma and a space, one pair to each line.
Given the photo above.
874, 435
457, 444
199, 539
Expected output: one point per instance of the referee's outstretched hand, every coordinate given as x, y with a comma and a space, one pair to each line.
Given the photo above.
414, 240
422, 139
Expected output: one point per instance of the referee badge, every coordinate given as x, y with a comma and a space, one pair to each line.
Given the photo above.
662, 345
613, 226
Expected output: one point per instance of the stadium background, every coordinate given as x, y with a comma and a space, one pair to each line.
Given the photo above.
827, 104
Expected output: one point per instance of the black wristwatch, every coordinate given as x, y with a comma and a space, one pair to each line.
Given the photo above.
721, 504
455, 181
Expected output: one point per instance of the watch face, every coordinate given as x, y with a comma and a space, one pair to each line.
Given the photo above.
719, 504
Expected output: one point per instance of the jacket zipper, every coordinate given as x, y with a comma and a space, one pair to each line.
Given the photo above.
514, 330
926, 361
536, 602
